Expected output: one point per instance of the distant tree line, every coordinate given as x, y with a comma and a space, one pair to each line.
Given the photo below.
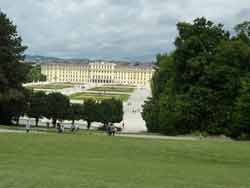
204, 84
57, 107
16, 101
35, 74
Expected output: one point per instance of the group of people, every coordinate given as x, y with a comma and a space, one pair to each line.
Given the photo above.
61, 129
111, 129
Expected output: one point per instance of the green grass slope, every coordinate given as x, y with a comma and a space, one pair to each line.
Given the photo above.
64, 161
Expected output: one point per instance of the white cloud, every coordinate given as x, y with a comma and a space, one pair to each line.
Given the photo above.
112, 28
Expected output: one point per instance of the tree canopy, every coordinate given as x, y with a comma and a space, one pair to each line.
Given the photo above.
12, 71
58, 105
35, 75
38, 106
199, 86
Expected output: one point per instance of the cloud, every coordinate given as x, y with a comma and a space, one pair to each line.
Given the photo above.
112, 29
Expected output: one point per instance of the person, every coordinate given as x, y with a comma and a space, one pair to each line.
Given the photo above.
62, 128
109, 130
58, 126
47, 124
113, 130
77, 127
73, 127
28, 126
123, 125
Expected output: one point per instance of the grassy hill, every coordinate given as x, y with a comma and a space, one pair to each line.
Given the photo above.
96, 161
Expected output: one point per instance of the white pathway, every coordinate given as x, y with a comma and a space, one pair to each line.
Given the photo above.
132, 111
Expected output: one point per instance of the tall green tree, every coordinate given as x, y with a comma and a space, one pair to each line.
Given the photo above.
38, 106
110, 111
197, 86
75, 112
90, 112
35, 75
12, 70
243, 32
58, 105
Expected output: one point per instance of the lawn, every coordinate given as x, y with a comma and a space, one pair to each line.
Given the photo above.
55, 86
98, 96
96, 161
113, 89
120, 85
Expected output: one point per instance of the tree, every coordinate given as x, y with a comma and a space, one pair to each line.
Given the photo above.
12, 70
38, 106
90, 112
110, 111
117, 110
58, 105
243, 31
198, 87
35, 74
18, 105
241, 119
75, 112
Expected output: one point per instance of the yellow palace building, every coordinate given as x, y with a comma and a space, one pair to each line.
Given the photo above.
99, 72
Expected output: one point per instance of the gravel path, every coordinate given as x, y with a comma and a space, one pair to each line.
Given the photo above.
19, 131
132, 111
158, 137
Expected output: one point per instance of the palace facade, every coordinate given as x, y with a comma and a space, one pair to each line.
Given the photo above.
98, 72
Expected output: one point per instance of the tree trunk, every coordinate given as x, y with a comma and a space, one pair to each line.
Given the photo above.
54, 122
88, 125
17, 120
73, 122
37, 120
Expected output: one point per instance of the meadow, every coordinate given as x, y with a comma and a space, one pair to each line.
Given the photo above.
98, 96
53, 86
98, 161
113, 89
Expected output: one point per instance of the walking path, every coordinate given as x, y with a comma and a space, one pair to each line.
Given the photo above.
158, 137
132, 111
19, 131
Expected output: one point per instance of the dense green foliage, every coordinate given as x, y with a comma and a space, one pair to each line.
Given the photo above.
92, 161
75, 112
110, 111
56, 106
90, 111
35, 75
38, 105
12, 71
107, 111
203, 85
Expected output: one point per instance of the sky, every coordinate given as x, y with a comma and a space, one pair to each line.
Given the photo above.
112, 29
